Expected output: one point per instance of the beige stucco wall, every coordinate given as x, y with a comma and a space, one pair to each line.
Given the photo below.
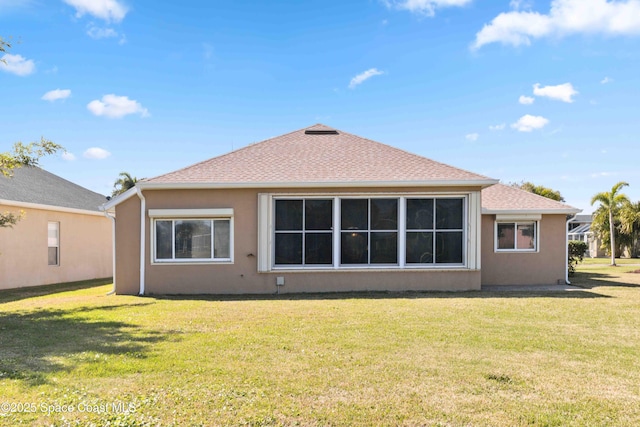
242, 276
544, 267
85, 248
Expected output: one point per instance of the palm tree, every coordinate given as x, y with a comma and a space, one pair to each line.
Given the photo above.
610, 202
123, 183
630, 223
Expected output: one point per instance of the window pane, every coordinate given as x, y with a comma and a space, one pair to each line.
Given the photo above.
289, 248
53, 256
449, 248
288, 214
526, 236
193, 239
506, 236
163, 239
420, 248
449, 214
52, 233
384, 248
318, 248
354, 248
419, 214
318, 214
384, 214
221, 239
354, 214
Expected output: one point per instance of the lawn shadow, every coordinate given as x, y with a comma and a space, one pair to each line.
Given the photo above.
387, 295
589, 280
36, 343
17, 294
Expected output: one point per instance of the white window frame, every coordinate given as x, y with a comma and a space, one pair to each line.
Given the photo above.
57, 243
470, 232
174, 215
515, 222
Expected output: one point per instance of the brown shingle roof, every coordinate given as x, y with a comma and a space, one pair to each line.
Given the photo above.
302, 158
503, 198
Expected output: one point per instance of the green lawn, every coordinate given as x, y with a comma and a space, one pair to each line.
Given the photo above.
607, 261
72, 355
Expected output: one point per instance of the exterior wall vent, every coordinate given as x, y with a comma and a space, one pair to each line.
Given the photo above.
321, 132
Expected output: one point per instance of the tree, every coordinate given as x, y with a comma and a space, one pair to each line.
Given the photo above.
539, 190
630, 224
23, 155
123, 183
610, 203
4, 45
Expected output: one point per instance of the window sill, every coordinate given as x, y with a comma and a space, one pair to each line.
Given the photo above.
207, 262
368, 269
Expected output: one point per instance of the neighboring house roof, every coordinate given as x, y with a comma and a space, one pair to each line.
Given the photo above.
582, 229
322, 156
35, 186
504, 199
583, 218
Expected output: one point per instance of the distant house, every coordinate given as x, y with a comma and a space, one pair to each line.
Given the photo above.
580, 229
62, 237
322, 210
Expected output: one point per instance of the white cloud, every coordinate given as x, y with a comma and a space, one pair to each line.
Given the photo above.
606, 80
364, 76
96, 153
17, 64
611, 18
501, 126
527, 123
526, 100
424, 7
472, 137
113, 106
68, 156
562, 92
108, 10
101, 33
520, 4
56, 94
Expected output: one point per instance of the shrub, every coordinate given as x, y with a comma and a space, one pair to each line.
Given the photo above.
577, 248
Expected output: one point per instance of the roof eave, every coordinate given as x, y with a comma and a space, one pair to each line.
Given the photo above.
44, 207
483, 183
118, 199
564, 211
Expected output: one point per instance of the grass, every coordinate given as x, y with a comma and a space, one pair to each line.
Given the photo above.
607, 261
73, 356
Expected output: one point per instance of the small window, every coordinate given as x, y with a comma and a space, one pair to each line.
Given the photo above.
517, 236
53, 243
199, 239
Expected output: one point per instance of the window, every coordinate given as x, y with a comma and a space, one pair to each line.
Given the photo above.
53, 243
196, 239
303, 232
434, 231
343, 232
368, 231
517, 236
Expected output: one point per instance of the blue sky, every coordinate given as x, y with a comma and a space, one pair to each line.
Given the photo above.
517, 90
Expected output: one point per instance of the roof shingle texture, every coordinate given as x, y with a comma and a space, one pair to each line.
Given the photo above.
298, 157
504, 197
34, 185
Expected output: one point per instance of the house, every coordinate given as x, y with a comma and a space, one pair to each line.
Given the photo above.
62, 236
580, 229
322, 210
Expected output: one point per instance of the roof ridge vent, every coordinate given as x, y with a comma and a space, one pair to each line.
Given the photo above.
321, 132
